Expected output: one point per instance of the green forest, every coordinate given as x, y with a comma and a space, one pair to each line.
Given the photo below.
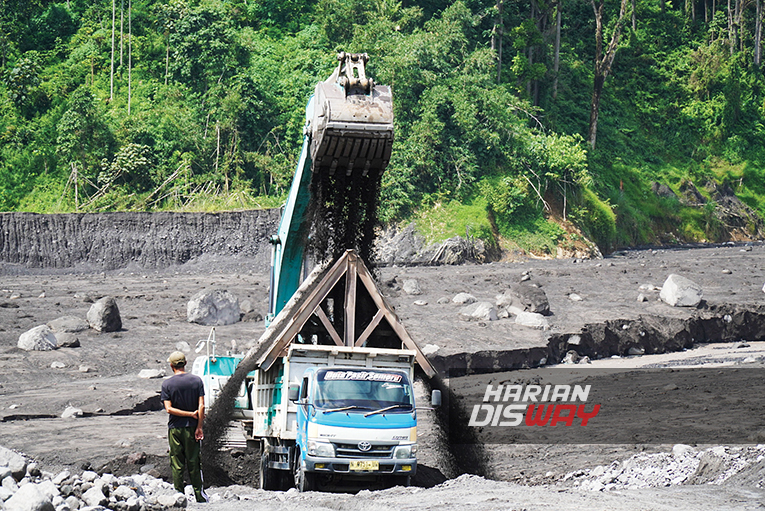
532, 125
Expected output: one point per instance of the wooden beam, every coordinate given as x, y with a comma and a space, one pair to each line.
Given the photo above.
370, 328
328, 325
294, 320
350, 299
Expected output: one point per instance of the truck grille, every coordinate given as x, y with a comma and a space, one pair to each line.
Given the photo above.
353, 451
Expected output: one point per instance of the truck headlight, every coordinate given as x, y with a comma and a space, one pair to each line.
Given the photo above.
404, 452
321, 449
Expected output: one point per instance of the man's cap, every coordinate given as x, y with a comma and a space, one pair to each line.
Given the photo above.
176, 358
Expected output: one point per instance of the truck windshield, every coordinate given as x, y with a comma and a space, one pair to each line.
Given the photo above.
363, 390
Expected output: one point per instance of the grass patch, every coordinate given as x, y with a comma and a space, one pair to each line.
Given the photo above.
443, 220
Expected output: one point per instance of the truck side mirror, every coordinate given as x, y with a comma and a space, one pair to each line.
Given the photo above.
435, 398
293, 393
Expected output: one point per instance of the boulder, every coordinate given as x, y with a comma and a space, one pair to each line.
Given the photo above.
679, 291
68, 340
29, 497
215, 307
104, 315
463, 298
525, 297
15, 462
484, 311
412, 287
71, 412
95, 497
151, 373
40, 338
68, 324
532, 319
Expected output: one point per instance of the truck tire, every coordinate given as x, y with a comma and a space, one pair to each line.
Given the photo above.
269, 478
304, 481
402, 481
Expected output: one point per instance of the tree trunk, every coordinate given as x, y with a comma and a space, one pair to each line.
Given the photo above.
758, 34
122, 30
556, 58
111, 73
130, 53
634, 16
496, 36
167, 57
603, 61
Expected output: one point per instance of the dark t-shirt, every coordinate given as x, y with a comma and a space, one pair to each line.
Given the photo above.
183, 391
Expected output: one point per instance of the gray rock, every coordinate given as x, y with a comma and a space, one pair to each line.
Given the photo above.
4, 495
215, 307
5, 472
95, 497
532, 319
525, 297
67, 340
151, 373
463, 298
740, 345
15, 462
29, 498
682, 450
124, 493
641, 298
575, 297
73, 502
68, 324
483, 311
57, 365
571, 357
183, 346
89, 476
33, 469
40, 338
9, 483
61, 477
679, 291
635, 351
412, 287
71, 412
104, 315
420, 303
49, 489
443, 300
430, 349
175, 500
399, 248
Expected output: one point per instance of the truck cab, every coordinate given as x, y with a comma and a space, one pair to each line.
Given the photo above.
355, 423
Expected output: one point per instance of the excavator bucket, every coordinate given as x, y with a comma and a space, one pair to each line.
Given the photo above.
352, 125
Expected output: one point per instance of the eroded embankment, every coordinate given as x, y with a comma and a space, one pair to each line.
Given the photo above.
107, 241
649, 334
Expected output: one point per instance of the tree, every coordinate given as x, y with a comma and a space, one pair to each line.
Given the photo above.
603, 61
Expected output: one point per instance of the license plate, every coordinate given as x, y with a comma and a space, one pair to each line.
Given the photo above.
364, 465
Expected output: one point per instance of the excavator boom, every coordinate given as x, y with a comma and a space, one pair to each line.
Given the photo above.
347, 145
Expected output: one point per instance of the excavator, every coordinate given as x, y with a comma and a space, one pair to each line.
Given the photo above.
326, 396
348, 137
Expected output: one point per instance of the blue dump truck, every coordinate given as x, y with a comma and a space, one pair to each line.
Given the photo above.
330, 397
327, 416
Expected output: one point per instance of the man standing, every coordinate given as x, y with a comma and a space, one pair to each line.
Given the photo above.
183, 397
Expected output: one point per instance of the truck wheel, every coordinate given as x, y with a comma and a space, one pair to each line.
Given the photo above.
304, 481
269, 479
402, 481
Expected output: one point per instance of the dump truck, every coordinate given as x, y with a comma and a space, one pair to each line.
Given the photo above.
330, 398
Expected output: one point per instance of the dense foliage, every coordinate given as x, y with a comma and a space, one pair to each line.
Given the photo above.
199, 104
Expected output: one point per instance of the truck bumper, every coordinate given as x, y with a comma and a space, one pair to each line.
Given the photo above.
387, 466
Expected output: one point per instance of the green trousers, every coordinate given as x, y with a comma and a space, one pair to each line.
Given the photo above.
184, 453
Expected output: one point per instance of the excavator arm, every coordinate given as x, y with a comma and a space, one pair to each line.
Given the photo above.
348, 137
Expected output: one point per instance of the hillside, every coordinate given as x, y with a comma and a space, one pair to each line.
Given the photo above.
534, 126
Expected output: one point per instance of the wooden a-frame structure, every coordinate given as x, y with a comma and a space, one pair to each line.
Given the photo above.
341, 306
